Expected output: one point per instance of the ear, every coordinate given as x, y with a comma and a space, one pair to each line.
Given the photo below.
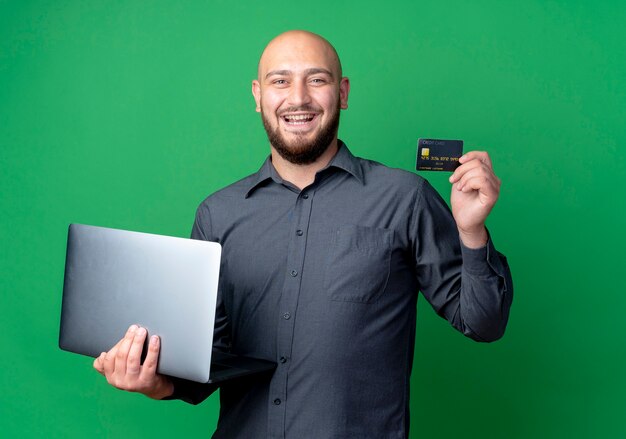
344, 90
256, 92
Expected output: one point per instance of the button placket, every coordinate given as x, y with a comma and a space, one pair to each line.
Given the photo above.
288, 304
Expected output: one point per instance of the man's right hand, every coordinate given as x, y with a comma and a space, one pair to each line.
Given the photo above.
123, 369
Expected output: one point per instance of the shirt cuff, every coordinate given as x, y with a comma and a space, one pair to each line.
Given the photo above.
483, 261
182, 391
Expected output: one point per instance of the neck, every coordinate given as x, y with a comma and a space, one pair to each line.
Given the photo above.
303, 175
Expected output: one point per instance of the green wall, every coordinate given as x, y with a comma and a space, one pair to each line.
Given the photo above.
128, 113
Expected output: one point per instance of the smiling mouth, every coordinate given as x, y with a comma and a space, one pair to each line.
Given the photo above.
298, 119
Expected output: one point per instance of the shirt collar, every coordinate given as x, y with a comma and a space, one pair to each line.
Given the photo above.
342, 160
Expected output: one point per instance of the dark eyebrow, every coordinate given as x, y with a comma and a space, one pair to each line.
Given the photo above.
307, 72
316, 70
278, 73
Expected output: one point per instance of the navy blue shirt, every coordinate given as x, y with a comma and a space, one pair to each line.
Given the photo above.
324, 281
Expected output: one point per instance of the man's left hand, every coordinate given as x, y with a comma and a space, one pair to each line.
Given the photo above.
475, 190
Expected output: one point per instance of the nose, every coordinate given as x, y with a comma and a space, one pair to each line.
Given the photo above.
299, 94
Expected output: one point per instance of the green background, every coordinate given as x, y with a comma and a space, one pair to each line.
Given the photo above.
128, 113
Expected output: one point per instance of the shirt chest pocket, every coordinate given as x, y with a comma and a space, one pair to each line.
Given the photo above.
358, 264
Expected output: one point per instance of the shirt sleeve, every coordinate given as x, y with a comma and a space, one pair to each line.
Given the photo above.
471, 288
191, 391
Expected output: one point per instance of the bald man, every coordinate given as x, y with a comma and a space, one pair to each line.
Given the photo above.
324, 254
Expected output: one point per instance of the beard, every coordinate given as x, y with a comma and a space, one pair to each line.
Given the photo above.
300, 151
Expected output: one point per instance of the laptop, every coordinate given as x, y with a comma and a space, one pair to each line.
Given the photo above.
116, 278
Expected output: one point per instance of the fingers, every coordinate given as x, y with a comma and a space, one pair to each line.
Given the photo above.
148, 371
98, 363
123, 369
472, 160
463, 170
133, 361
112, 364
109, 361
121, 354
482, 156
486, 193
480, 179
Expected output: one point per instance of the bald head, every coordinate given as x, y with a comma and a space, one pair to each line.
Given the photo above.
293, 46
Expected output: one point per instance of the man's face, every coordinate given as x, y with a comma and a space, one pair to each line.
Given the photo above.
299, 94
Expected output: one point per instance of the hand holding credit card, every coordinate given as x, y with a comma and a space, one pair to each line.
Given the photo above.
438, 154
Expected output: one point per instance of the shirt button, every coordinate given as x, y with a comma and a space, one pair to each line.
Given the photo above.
286, 316
294, 273
305, 196
299, 232
283, 360
277, 401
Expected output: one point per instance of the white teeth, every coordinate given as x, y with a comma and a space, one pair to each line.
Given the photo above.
299, 117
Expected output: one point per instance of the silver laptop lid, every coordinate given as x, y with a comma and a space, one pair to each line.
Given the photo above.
114, 278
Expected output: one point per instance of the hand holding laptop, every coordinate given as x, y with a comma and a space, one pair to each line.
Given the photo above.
123, 369
114, 278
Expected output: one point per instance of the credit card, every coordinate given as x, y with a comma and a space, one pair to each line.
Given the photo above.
438, 154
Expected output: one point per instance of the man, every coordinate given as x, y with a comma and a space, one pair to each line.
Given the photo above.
323, 256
